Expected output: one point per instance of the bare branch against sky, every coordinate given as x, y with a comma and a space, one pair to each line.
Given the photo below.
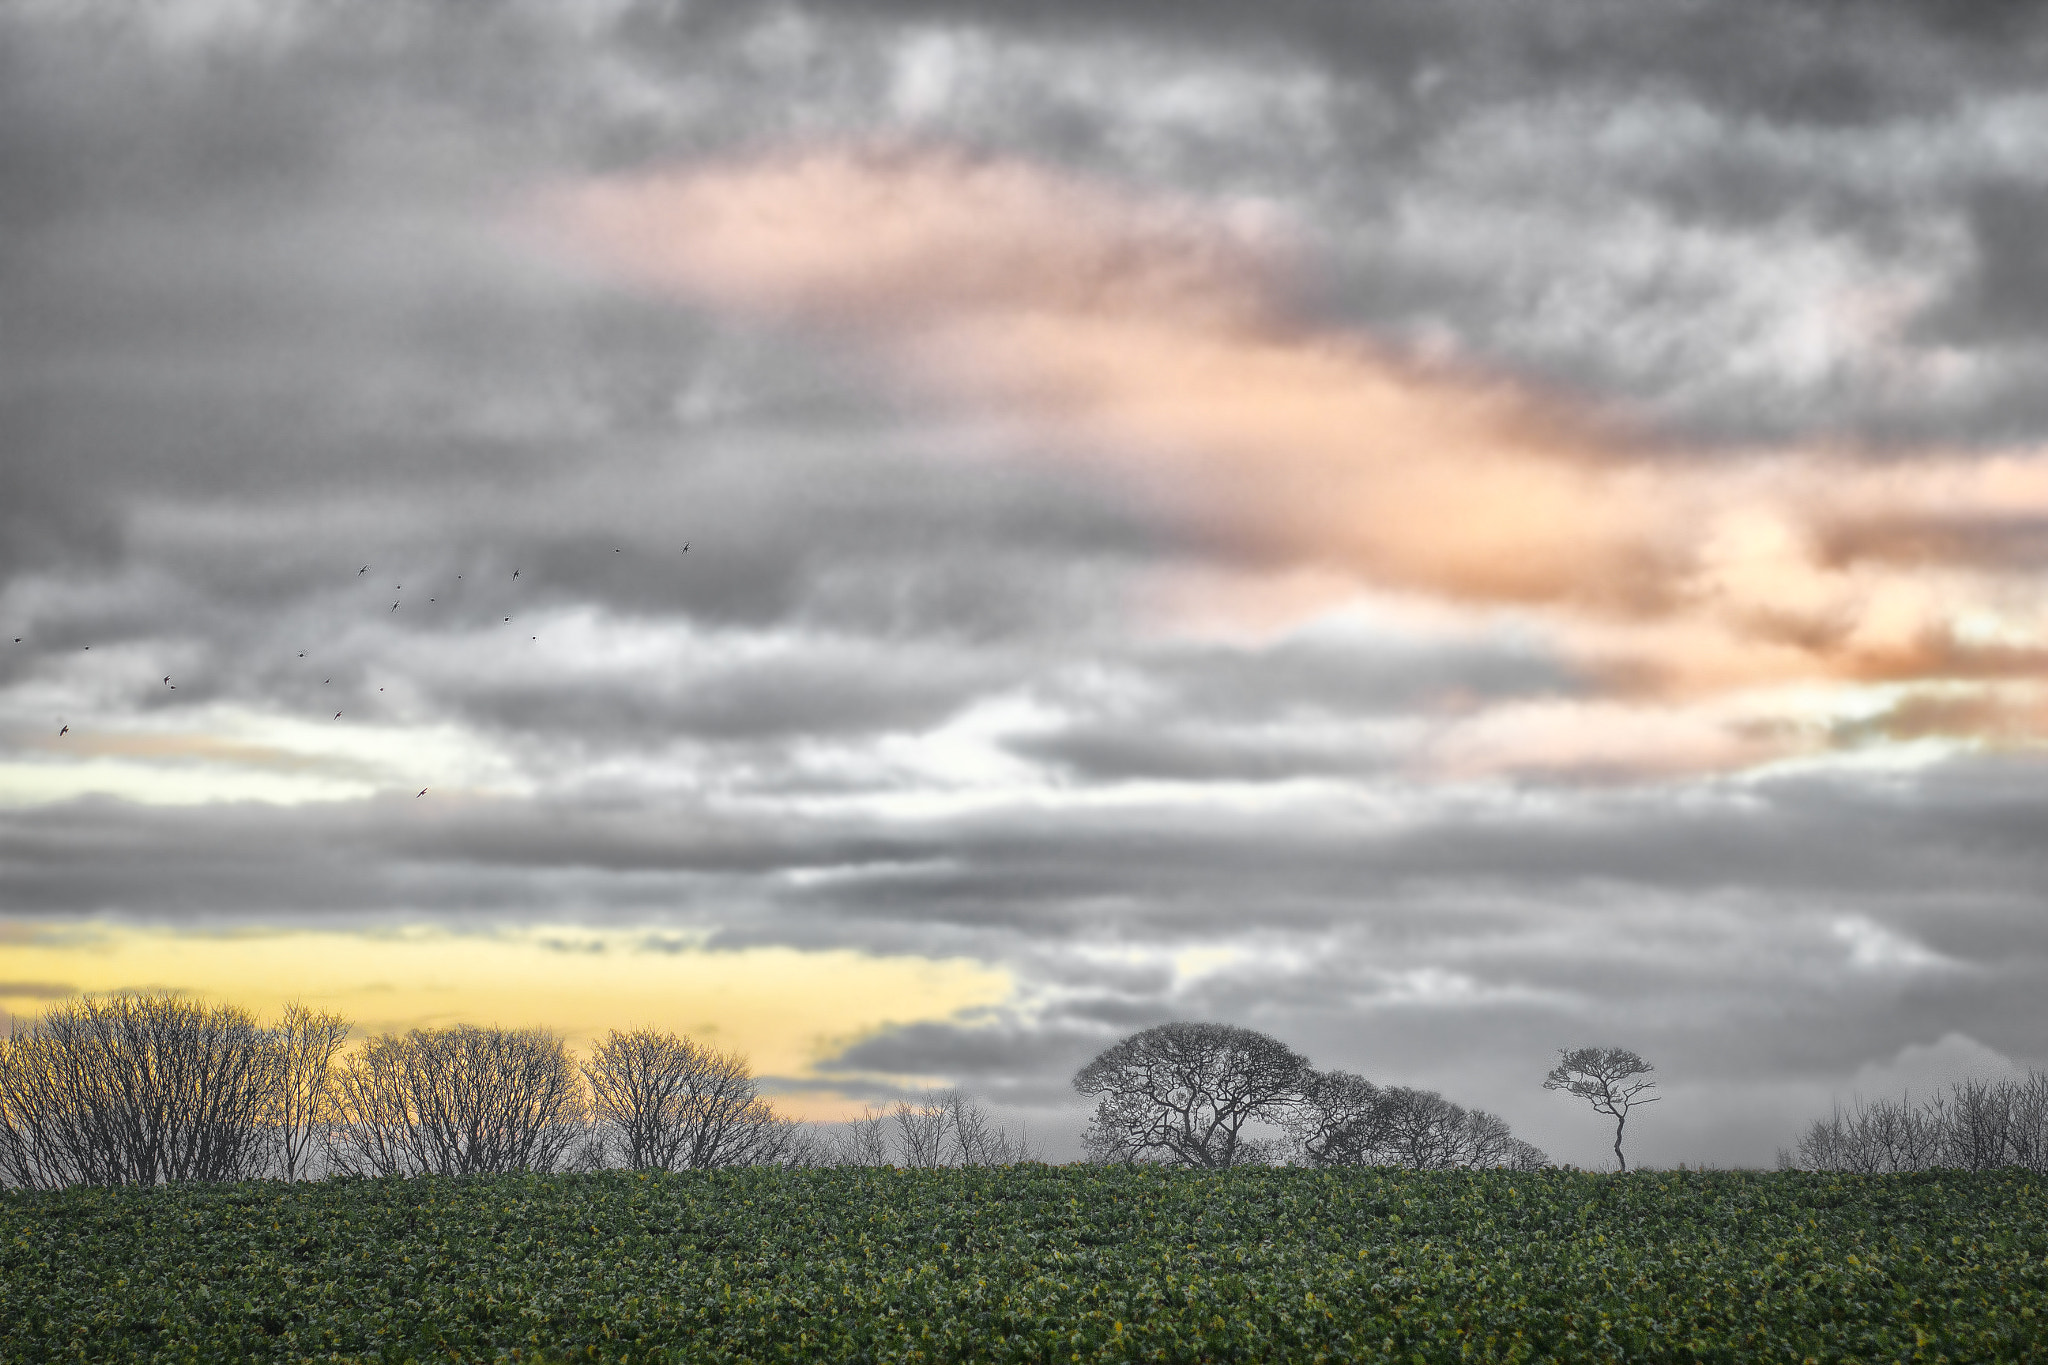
1428, 531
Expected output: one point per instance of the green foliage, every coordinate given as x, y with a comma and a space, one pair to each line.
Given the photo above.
1036, 1263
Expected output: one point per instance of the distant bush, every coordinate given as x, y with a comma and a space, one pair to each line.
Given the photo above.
1974, 1125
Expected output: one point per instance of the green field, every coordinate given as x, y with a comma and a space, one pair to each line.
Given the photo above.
1037, 1263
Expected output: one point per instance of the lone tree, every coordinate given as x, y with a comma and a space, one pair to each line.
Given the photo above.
1609, 1079
1183, 1093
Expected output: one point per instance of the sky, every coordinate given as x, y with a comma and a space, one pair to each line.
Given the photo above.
915, 539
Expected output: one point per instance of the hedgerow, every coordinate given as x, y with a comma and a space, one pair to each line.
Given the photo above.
1036, 1263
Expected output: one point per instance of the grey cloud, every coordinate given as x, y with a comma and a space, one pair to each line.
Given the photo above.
275, 315
37, 990
2007, 286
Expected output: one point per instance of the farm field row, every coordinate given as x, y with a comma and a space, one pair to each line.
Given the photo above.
1037, 1263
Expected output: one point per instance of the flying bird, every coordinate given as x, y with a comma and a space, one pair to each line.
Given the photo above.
422, 792
167, 680
515, 573
360, 572
337, 715
325, 681
686, 547
63, 732
394, 606
302, 654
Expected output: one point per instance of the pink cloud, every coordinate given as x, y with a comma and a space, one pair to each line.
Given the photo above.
1147, 334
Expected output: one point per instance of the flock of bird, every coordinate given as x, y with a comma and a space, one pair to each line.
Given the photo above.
64, 728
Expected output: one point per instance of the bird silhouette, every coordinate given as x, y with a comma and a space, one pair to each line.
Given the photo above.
337, 715
394, 606
686, 547
167, 680
422, 792
515, 573
325, 681
302, 654
63, 732
360, 572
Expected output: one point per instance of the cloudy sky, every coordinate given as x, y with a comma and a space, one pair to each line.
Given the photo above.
1440, 532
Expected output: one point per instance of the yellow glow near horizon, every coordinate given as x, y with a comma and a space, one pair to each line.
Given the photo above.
787, 1009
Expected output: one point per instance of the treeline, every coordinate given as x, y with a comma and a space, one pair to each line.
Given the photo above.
1974, 1125
1217, 1095
148, 1089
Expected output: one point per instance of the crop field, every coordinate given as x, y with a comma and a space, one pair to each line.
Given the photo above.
1036, 1263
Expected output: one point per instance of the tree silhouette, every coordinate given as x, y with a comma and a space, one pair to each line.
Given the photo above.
1183, 1093
1609, 1079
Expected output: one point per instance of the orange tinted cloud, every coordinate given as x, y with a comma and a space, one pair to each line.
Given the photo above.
1148, 335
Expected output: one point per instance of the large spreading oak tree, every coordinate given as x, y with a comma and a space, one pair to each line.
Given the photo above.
1183, 1093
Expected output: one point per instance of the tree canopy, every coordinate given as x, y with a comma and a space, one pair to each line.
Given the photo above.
1184, 1092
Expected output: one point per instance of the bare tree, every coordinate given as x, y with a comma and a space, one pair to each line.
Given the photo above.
1184, 1093
457, 1101
1975, 1124
978, 1140
1975, 1117
938, 1128
864, 1141
1608, 1078
921, 1131
1341, 1121
2028, 1134
1346, 1120
1426, 1132
136, 1090
1877, 1138
1486, 1142
675, 1104
307, 1041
